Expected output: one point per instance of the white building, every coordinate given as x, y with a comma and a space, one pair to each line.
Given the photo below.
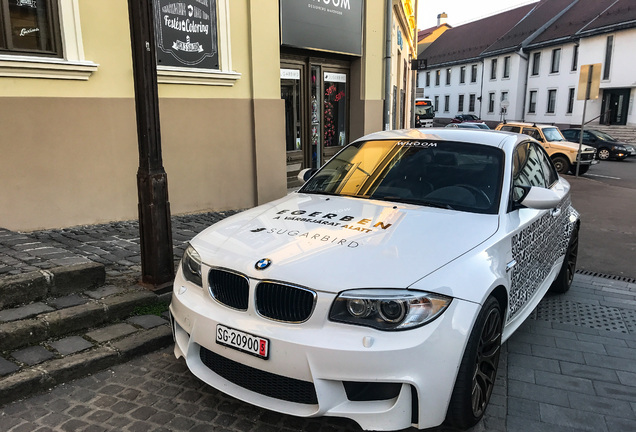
531, 57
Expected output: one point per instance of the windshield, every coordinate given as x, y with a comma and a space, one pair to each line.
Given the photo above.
603, 136
552, 134
424, 111
451, 175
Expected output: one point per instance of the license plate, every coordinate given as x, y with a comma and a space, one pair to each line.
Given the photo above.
242, 341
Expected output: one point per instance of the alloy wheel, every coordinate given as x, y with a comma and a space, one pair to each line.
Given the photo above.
487, 360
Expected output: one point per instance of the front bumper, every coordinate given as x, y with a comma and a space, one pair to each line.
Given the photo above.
319, 366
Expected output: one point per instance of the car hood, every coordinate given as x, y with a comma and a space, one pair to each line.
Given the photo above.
333, 243
573, 146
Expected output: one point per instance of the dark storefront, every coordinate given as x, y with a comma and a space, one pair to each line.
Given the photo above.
318, 42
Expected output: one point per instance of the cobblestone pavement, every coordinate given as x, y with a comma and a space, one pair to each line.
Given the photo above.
570, 367
116, 245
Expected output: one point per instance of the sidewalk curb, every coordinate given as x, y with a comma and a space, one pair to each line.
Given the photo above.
17, 334
56, 282
57, 371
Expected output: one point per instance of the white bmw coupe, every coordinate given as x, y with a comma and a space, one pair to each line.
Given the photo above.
383, 289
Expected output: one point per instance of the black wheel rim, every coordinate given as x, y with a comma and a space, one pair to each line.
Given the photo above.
560, 166
486, 362
573, 253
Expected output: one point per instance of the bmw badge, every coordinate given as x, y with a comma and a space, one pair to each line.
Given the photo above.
263, 264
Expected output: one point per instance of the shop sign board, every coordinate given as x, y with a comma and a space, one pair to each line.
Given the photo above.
335, 77
324, 25
186, 33
292, 74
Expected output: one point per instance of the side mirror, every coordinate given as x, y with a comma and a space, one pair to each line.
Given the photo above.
539, 198
306, 174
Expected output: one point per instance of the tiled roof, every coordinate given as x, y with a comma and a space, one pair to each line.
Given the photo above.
421, 34
621, 12
582, 14
541, 15
468, 41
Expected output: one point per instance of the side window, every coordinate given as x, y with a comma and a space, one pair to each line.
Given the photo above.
515, 129
534, 133
527, 168
549, 171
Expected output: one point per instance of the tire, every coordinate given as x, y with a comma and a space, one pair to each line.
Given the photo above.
603, 153
563, 281
561, 164
478, 369
582, 169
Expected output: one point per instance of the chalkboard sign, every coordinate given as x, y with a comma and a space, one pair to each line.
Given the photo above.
186, 33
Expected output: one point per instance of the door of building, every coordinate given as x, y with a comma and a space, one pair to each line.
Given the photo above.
292, 92
316, 112
615, 106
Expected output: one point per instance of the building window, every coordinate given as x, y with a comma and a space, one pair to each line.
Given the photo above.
428, 79
437, 76
473, 74
462, 74
42, 39
551, 101
608, 57
506, 71
471, 103
448, 76
575, 58
30, 27
556, 59
571, 100
446, 103
491, 102
436, 103
191, 47
493, 69
536, 62
532, 101
460, 103
192, 70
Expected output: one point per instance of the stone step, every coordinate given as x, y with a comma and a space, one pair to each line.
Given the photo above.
56, 317
59, 281
625, 134
56, 361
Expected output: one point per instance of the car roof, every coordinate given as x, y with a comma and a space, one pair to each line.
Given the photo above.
537, 125
488, 137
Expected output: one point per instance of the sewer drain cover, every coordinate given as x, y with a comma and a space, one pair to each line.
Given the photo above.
555, 309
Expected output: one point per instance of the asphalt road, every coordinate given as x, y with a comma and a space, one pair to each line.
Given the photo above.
606, 199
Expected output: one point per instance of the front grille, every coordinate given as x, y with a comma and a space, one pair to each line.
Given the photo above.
587, 156
258, 381
283, 302
228, 288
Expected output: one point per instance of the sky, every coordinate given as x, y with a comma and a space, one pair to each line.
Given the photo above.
462, 11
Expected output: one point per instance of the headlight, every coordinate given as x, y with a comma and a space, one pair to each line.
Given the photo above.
388, 309
191, 266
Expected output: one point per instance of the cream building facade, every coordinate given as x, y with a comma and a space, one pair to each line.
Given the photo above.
67, 110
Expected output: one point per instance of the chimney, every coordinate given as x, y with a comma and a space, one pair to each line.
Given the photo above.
441, 19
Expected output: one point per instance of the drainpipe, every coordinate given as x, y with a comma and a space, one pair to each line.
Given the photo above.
481, 87
414, 73
387, 65
525, 83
